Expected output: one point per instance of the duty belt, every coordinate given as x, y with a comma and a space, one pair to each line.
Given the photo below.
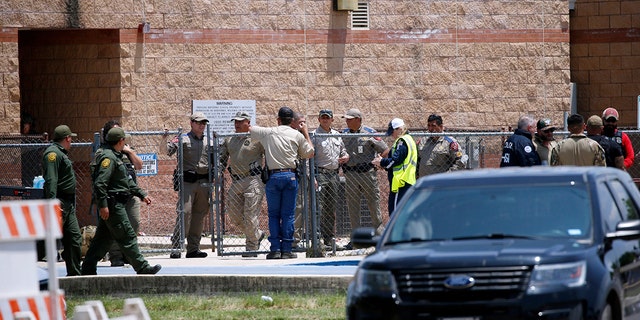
360, 167
253, 172
66, 196
327, 171
191, 177
122, 197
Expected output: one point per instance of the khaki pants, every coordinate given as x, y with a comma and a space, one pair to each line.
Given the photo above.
244, 201
358, 185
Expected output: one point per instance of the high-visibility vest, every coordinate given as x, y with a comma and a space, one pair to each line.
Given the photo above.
405, 173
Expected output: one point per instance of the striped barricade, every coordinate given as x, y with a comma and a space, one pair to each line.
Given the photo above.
27, 220
39, 306
21, 224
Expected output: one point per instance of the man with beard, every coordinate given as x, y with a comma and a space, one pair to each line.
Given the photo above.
543, 139
612, 151
610, 117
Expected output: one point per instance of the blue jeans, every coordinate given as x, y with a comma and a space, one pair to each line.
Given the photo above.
281, 191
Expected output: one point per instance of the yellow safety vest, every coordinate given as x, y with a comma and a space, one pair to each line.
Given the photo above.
405, 173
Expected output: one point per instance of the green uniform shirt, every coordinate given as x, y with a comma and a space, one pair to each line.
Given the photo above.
58, 174
127, 162
112, 177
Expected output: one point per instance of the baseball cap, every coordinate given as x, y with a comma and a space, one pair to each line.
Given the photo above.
241, 115
545, 124
609, 113
353, 113
115, 134
198, 116
285, 112
62, 131
594, 121
326, 112
394, 124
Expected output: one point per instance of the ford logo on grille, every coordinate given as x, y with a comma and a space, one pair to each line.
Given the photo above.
459, 282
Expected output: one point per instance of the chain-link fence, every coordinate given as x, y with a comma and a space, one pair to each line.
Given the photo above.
21, 158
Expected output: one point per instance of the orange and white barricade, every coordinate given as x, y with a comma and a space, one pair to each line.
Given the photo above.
21, 224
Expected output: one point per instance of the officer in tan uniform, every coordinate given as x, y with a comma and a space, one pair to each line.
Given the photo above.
438, 153
330, 154
360, 174
196, 149
577, 149
244, 198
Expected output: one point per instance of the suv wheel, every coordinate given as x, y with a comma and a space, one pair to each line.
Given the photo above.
607, 313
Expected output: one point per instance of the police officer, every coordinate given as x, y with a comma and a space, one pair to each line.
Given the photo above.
60, 183
112, 189
133, 163
577, 149
247, 190
330, 154
195, 160
438, 153
402, 164
360, 173
283, 147
519, 150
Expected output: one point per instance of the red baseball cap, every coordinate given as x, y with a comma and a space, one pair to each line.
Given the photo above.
610, 112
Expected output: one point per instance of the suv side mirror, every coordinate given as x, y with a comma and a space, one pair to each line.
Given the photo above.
364, 237
626, 230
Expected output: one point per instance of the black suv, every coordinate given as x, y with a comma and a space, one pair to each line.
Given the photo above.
523, 243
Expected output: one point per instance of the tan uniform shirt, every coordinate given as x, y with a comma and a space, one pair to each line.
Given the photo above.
441, 155
195, 152
578, 150
282, 145
362, 150
328, 149
243, 155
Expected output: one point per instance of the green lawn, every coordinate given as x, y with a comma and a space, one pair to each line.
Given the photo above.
227, 306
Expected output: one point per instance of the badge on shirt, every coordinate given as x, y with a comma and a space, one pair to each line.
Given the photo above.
360, 149
105, 163
527, 149
51, 157
453, 146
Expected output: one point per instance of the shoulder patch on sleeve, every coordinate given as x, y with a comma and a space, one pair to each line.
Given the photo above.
51, 157
105, 163
453, 146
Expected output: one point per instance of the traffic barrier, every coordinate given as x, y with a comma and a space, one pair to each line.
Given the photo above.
21, 224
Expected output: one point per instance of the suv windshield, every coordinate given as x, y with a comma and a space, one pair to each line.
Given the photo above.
494, 212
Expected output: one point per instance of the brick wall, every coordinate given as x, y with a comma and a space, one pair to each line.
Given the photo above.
605, 57
478, 63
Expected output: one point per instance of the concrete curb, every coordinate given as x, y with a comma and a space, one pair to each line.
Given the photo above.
201, 284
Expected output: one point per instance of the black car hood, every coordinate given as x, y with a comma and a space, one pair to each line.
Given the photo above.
475, 253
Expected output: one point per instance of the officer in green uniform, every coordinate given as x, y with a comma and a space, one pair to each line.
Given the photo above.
132, 162
112, 189
60, 183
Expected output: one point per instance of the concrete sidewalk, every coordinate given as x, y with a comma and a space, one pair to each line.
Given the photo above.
217, 274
